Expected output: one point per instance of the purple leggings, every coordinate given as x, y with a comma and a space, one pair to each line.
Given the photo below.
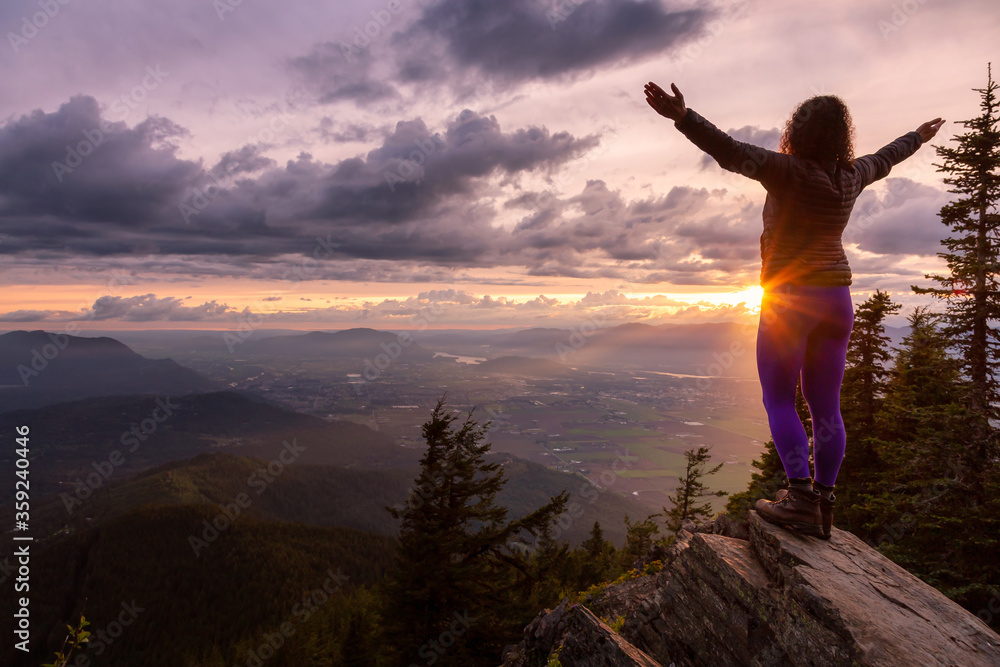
805, 329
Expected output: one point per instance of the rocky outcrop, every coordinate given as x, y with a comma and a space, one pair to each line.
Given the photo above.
577, 637
757, 594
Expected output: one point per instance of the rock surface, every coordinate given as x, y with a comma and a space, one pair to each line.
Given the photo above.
757, 594
582, 639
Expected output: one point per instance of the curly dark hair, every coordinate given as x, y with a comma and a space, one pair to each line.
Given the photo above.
820, 129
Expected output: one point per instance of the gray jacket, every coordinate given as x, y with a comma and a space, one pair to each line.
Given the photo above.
808, 203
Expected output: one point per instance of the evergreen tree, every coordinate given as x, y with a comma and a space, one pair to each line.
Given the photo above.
691, 489
922, 517
458, 578
863, 390
925, 414
552, 569
360, 644
971, 290
921, 428
597, 554
594, 545
867, 355
638, 539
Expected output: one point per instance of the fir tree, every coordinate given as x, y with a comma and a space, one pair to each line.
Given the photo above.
457, 569
552, 568
924, 409
597, 554
594, 545
971, 290
919, 432
684, 501
863, 389
867, 355
638, 539
922, 516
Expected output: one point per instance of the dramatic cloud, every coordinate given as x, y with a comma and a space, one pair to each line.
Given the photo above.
68, 177
903, 220
149, 308
470, 47
612, 306
688, 236
421, 199
522, 40
123, 191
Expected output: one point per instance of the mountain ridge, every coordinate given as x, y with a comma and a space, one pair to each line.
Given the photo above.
314, 494
39, 368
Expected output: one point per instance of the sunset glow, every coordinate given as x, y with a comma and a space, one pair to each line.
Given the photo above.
290, 172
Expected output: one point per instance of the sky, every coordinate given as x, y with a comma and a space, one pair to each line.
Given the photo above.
400, 164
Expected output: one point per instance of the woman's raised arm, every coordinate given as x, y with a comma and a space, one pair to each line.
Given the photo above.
760, 164
665, 104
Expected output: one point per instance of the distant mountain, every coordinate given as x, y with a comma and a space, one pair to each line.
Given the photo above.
40, 368
528, 366
537, 337
320, 495
896, 335
79, 438
358, 343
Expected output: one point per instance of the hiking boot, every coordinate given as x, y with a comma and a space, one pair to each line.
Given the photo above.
797, 507
825, 508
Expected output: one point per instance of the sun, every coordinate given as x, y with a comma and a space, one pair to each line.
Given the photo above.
752, 296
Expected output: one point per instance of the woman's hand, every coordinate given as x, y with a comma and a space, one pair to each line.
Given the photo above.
929, 129
669, 106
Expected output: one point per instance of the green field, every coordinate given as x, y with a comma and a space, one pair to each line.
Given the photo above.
741, 422
654, 439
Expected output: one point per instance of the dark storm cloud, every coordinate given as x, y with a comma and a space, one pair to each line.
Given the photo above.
414, 197
471, 47
72, 166
421, 197
526, 40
